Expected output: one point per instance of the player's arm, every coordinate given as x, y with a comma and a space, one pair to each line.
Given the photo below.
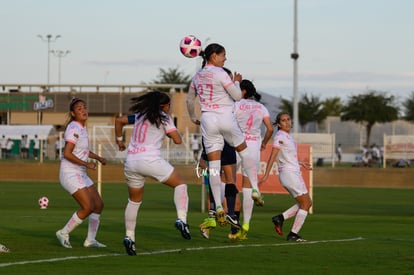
92, 155
270, 162
268, 133
175, 136
68, 154
233, 88
120, 122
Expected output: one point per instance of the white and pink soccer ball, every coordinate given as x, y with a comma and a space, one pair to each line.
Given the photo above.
190, 46
43, 202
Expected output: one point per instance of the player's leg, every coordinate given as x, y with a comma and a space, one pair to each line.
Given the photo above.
94, 218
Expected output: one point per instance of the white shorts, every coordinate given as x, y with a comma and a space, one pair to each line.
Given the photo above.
216, 128
293, 183
72, 181
136, 171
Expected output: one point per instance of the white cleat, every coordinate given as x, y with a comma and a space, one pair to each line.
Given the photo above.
93, 244
63, 239
4, 249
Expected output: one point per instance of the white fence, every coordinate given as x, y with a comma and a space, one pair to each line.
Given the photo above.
398, 147
323, 145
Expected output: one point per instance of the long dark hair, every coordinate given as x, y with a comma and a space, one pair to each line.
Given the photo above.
250, 89
209, 50
149, 106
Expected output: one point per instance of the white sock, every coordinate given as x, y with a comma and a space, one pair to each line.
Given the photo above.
247, 205
299, 220
215, 181
249, 167
94, 220
223, 191
73, 222
181, 201
131, 214
291, 211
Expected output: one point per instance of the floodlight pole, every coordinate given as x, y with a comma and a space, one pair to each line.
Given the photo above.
49, 38
59, 54
295, 57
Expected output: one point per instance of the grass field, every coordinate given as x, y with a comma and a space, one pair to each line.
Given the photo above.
353, 231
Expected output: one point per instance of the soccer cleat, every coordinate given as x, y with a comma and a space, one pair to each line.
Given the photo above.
184, 229
242, 234
233, 221
221, 217
129, 246
63, 239
278, 222
257, 197
4, 249
293, 237
93, 244
208, 224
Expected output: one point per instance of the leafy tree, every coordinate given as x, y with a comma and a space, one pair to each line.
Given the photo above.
332, 106
409, 108
310, 109
172, 76
370, 108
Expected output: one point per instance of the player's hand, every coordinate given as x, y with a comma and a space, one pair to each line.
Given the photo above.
237, 77
102, 160
306, 165
121, 145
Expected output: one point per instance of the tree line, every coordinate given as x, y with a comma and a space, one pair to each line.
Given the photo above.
367, 108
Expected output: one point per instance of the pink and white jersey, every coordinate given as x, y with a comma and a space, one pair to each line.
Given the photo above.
287, 158
216, 90
76, 134
146, 139
250, 114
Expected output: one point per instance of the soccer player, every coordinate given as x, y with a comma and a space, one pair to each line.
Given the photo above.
217, 93
151, 124
228, 178
74, 179
250, 115
285, 150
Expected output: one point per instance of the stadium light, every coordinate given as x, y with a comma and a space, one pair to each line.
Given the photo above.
59, 54
295, 57
48, 38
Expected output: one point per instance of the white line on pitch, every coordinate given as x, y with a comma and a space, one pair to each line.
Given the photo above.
177, 250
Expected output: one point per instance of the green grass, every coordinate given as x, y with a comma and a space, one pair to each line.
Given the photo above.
382, 218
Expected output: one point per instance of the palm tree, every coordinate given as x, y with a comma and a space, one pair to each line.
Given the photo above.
409, 108
172, 76
370, 108
332, 106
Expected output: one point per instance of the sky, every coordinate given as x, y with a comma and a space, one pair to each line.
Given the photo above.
346, 47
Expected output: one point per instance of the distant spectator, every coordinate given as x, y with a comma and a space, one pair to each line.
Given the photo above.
3, 146
401, 163
339, 153
23, 147
9, 147
59, 145
365, 161
375, 154
36, 147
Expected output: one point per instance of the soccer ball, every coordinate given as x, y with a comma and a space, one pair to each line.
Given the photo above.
190, 46
43, 202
